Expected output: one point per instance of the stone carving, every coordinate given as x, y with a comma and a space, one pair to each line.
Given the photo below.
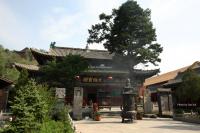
60, 93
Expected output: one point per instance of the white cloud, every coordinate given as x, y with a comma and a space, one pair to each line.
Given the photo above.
12, 34
179, 56
63, 27
163, 9
60, 28
58, 10
177, 27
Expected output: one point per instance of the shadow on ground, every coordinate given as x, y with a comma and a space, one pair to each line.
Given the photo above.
157, 119
180, 127
106, 122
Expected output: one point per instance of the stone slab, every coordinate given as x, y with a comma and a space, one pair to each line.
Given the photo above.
147, 125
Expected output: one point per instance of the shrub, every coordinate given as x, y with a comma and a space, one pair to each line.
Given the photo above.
189, 88
59, 111
52, 126
97, 113
29, 108
198, 111
178, 111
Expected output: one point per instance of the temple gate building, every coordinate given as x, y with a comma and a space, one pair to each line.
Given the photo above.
102, 83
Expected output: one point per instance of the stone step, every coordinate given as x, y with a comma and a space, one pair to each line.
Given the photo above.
110, 113
150, 115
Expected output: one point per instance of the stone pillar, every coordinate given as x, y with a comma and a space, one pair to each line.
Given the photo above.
148, 106
77, 103
160, 103
60, 95
170, 103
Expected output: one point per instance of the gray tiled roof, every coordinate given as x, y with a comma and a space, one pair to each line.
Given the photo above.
4, 82
87, 53
170, 76
28, 67
41, 52
3, 79
146, 73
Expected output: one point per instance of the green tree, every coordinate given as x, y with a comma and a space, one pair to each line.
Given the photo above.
7, 58
62, 73
22, 80
128, 33
29, 107
33, 106
189, 89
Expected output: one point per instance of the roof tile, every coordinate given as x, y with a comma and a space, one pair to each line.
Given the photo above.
169, 75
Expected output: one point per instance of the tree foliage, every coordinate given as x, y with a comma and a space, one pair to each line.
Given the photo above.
22, 80
129, 33
189, 89
32, 109
7, 58
62, 73
28, 107
31, 104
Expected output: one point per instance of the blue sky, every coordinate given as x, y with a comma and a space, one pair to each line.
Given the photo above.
36, 23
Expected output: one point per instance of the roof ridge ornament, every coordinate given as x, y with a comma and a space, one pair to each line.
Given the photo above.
53, 44
87, 48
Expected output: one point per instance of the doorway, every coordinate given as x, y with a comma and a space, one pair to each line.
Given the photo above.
92, 96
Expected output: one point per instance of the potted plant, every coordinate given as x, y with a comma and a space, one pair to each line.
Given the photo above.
139, 116
97, 116
198, 111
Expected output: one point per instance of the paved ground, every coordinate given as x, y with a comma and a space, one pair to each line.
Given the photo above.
147, 125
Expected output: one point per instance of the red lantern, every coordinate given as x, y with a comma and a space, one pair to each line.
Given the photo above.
110, 77
77, 77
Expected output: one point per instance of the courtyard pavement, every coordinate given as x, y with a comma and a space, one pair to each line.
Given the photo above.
147, 125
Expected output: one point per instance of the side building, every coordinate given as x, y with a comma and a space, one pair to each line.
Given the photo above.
4, 84
102, 83
174, 85
159, 90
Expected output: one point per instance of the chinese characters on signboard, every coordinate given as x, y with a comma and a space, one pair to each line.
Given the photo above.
92, 79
